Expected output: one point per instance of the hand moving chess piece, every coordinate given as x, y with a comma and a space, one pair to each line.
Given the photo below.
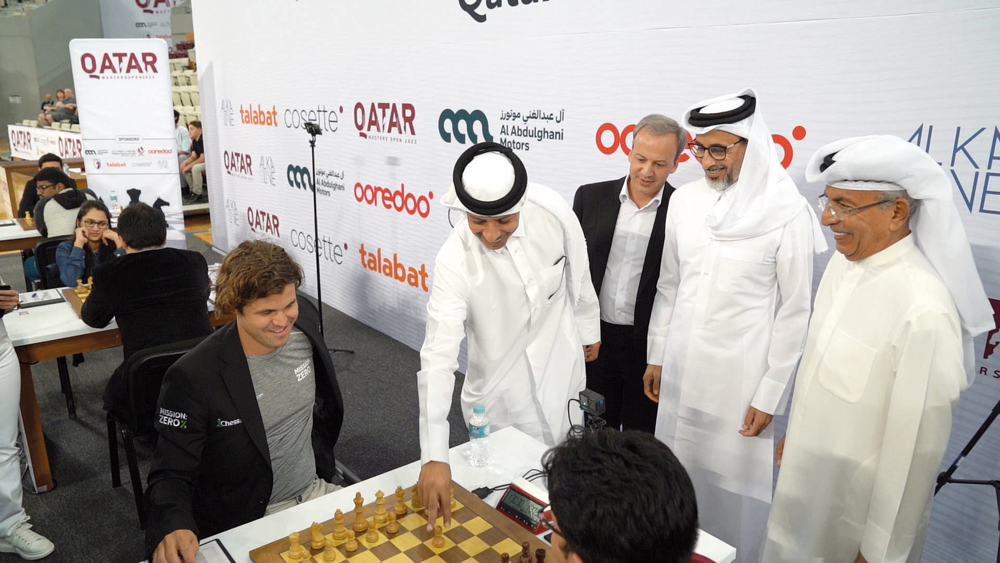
296, 552
400, 508
392, 527
339, 531
329, 552
317, 540
415, 499
372, 536
360, 524
352, 543
438, 540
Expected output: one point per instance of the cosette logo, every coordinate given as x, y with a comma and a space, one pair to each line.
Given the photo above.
329, 120
380, 120
327, 249
119, 65
398, 199
470, 6
392, 268
263, 222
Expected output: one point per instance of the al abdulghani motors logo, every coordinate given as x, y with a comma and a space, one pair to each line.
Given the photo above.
456, 118
119, 66
299, 177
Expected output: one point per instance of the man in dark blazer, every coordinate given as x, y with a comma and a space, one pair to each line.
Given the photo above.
248, 420
158, 295
623, 222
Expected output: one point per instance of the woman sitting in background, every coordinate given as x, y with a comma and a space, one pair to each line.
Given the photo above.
94, 244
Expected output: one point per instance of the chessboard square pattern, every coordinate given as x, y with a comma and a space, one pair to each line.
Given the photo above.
381, 540
492, 536
458, 534
489, 556
421, 533
400, 558
462, 515
412, 521
405, 541
448, 544
365, 557
454, 555
348, 554
508, 546
477, 525
420, 553
385, 550
474, 545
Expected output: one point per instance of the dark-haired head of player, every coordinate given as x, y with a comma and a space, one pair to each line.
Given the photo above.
620, 497
142, 227
257, 281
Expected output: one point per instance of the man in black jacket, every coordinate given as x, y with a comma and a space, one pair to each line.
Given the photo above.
29, 197
623, 222
248, 419
158, 295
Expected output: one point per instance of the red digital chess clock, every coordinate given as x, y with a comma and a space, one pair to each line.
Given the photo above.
521, 503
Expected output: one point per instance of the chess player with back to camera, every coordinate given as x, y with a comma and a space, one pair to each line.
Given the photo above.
515, 279
248, 419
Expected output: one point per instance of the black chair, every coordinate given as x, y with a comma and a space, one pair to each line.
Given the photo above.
45, 260
144, 372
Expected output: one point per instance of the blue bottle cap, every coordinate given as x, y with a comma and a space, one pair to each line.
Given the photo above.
479, 408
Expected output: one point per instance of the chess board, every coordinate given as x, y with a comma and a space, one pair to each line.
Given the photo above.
478, 534
73, 299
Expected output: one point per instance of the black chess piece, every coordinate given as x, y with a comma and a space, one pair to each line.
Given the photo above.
160, 202
133, 195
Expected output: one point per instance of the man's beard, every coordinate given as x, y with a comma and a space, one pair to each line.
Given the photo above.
725, 181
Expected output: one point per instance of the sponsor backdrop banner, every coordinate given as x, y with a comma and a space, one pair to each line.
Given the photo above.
137, 19
126, 119
400, 91
30, 143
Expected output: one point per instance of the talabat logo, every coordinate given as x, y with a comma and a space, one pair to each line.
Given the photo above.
238, 164
329, 120
471, 7
455, 121
299, 177
259, 115
385, 121
327, 249
155, 6
378, 262
119, 66
398, 199
610, 140
967, 156
263, 222
20, 140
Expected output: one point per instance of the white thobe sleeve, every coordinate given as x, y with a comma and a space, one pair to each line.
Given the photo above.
586, 307
794, 270
447, 310
929, 377
666, 294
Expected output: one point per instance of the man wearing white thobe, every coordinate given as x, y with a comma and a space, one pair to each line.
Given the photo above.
515, 279
730, 315
884, 361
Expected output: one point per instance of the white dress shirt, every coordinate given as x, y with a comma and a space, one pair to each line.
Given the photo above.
626, 258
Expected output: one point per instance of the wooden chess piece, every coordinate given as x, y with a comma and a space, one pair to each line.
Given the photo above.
392, 527
339, 531
504, 558
415, 499
317, 540
360, 524
400, 508
329, 552
539, 555
372, 536
525, 553
296, 552
451, 492
438, 540
352, 543
381, 515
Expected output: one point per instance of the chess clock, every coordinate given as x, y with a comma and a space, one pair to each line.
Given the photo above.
521, 503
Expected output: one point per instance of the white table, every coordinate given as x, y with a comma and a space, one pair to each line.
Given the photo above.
512, 453
16, 237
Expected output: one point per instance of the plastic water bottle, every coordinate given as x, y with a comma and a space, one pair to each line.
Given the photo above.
115, 208
479, 437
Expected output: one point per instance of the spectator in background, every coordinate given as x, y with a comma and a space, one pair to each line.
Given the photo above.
94, 244
183, 144
158, 295
47, 102
29, 198
194, 165
55, 212
64, 109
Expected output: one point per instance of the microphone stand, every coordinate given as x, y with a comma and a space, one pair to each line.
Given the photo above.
945, 476
313, 130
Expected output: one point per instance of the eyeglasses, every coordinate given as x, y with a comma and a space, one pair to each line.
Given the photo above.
42, 188
837, 211
91, 224
545, 517
718, 152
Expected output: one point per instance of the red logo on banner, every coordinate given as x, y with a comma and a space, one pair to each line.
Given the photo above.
150, 6
20, 140
392, 268
262, 221
385, 118
238, 164
119, 65
398, 199
70, 148
259, 116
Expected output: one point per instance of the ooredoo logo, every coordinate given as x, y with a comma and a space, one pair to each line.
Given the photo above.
398, 199
160, 151
470, 6
20, 140
455, 119
238, 164
385, 121
329, 120
120, 66
393, 268
263, 222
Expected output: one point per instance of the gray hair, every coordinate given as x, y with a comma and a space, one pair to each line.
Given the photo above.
660, 125
892, 195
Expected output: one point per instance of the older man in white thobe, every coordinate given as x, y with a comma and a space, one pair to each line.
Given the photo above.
889, 350
515, 279
730, 315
